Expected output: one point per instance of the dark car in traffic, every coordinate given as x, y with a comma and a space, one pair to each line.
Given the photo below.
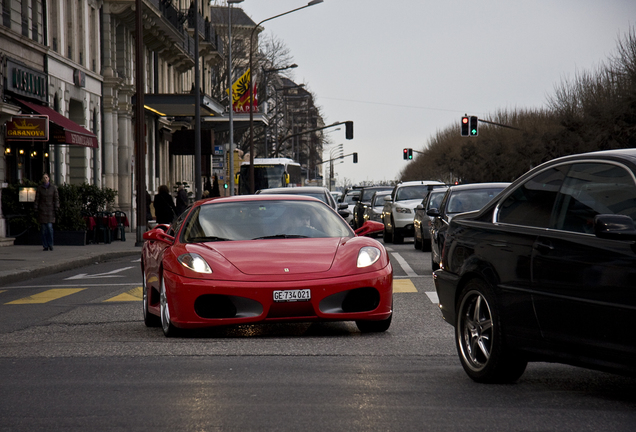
457, 199
422, 221
363, 201
547, 271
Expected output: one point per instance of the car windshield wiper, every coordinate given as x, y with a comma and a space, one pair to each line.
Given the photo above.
279, 236
207, 239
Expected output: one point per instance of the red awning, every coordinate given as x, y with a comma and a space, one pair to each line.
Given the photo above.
69, 131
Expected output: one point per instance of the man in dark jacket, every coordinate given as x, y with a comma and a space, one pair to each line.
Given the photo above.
47, 202
165, 211
182, 199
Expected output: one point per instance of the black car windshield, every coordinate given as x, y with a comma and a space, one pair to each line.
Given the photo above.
349, 197
266, 219
470, 200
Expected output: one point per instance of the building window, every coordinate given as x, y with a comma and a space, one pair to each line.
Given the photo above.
6, 13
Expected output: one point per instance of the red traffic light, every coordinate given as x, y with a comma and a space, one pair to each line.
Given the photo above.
465, 126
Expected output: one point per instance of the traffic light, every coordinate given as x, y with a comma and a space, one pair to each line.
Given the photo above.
474, 121
465, 126
406, 154
355, 158
410, 154
349, 130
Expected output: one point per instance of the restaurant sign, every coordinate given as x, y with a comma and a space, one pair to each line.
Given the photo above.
26, 81
28, 127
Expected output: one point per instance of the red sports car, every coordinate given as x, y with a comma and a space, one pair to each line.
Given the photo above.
263, 258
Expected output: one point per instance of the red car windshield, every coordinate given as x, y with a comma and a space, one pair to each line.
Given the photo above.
267, 219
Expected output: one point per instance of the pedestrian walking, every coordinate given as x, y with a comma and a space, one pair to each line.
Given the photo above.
47, 202
182, 199
165, 210
215, 187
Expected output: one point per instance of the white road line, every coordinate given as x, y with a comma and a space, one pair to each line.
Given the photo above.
433, 296
405, 266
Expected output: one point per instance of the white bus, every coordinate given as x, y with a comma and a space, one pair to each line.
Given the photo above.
269, 173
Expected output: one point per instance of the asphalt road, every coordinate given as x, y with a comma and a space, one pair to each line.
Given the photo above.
84, 361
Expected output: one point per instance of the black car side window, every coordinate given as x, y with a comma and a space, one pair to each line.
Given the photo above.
590, 189
531, 203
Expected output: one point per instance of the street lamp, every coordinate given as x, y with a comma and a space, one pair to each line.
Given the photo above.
251, 101
229, 86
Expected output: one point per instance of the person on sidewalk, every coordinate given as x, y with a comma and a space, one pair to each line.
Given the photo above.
182, 199
165, 210
47, 202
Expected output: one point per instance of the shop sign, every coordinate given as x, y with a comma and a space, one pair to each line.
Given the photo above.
26, 81
28, 127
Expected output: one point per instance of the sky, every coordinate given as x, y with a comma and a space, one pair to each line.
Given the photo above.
402, 70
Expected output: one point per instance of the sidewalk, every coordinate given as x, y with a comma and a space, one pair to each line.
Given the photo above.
18, 263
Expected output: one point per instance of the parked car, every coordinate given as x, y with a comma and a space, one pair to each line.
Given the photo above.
547, 271
263, 258
363, 201
399, 208
422, 221
373, 212
457, 199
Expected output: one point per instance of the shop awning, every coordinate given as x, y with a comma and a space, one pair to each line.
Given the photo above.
62, 130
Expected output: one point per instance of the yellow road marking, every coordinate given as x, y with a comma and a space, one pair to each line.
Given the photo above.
403, 285
135, 294
1, 291
47, 296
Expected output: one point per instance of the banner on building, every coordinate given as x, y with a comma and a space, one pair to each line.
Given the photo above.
241, 94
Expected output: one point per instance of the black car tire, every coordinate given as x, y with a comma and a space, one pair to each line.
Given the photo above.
480, 340
374, 326
387, 237
150, 319
169, 330
417, 244
434, 265
398, 237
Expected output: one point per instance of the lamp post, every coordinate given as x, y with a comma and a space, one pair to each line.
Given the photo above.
265, 72
229, 86
251, 91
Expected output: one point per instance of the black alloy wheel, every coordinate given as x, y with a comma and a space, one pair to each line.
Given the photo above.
479, 337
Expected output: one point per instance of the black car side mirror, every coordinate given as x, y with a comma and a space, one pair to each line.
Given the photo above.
433, 212
614, 227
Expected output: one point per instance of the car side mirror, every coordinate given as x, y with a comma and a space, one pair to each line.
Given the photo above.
614, 227
158, 234
387, 198
433, 212
370, 227
419, 207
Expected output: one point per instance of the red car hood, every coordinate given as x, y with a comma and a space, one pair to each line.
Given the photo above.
280, 256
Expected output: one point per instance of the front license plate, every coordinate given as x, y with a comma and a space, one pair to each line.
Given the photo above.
292, 295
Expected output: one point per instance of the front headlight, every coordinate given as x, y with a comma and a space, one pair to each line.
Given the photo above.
402, 210
367, 256
195, 262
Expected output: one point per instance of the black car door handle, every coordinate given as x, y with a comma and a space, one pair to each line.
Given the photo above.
543, 246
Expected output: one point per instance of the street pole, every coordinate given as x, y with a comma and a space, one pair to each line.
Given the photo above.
251, 91
140, 157
197, 107
229, 86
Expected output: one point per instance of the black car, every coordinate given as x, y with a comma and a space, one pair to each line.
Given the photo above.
457, 199
547, 271
363, 201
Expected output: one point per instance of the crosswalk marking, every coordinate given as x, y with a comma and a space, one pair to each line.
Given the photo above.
403, 286
433, 296
135, 294
405, 266
47, 296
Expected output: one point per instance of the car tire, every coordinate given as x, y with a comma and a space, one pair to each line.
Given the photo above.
426, 244
169, 330
480, 337
374, 326
434, 265
398, 238
387, 237
150, 319
417, 244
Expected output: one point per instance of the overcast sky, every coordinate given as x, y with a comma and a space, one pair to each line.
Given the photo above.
404, 69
